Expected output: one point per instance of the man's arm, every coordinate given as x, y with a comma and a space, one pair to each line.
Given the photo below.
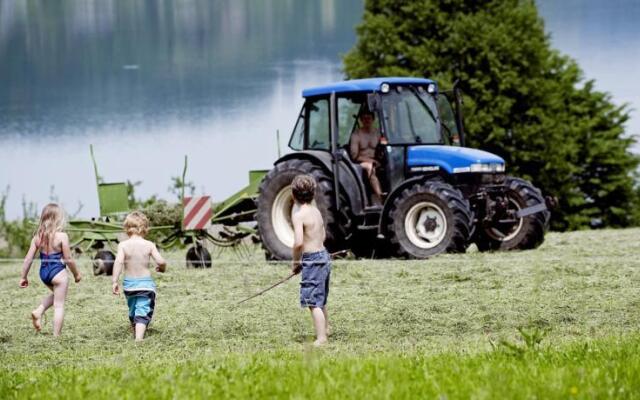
118, 264
155, 254
298, 241
354, 146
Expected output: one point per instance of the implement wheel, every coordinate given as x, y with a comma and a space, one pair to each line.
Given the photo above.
103, 262
275, 204
427, 219
198, 257
512, 233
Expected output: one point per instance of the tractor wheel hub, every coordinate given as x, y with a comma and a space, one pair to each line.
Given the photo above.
430, 224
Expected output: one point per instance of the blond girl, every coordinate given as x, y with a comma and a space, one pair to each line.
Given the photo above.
55, 255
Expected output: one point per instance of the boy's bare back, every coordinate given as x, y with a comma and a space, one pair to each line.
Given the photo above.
309, 217
135, 254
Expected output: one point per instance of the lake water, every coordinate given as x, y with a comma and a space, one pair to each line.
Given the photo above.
148, 82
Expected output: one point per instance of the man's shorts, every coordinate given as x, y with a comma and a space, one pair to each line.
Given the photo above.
141, 299
314, 286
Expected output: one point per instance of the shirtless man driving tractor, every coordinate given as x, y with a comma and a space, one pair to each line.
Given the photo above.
363, 145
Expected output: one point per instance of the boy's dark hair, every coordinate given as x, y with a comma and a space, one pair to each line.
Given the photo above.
303, 188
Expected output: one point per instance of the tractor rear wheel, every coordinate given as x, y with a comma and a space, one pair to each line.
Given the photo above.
427, 219
519, 233
275, 204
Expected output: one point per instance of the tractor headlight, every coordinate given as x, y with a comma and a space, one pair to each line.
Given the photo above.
431, 88
481, 167
384, 88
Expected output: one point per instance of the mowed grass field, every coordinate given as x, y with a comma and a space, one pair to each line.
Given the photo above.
562, 321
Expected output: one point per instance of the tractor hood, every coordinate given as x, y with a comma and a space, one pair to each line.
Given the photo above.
453, 159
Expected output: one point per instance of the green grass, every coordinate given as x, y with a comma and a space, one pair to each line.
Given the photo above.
450, 327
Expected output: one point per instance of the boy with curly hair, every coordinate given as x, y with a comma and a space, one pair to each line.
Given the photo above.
309, 255
134, 255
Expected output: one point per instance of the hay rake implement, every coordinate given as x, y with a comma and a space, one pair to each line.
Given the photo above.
225, 225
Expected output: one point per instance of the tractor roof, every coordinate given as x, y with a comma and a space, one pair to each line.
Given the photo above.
362, 85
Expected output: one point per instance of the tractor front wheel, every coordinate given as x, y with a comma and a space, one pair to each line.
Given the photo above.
427, 219
508, 232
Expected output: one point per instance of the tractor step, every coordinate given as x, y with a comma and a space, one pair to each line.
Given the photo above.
370, 218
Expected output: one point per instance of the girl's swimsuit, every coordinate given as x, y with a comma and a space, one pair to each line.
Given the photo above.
50, 265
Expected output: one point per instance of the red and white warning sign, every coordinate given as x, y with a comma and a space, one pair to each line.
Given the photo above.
197, 213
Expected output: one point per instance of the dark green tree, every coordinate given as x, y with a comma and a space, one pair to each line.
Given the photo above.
523, 100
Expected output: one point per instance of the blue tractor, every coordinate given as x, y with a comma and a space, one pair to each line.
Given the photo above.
437, 195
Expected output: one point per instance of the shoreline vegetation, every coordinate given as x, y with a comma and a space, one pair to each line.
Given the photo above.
557, 322
15, 235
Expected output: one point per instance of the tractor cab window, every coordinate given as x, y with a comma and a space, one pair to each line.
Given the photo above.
450, 132
317, 112
410, 117
349, 108
297, 137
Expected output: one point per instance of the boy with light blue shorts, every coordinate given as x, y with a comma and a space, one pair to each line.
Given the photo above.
134, 256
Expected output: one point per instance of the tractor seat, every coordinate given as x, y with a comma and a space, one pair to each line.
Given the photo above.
359, 170
356, 166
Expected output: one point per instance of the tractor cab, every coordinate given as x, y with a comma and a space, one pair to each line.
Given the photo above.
405, 112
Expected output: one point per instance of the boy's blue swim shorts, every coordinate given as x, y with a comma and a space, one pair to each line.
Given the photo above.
141, 299
314, 286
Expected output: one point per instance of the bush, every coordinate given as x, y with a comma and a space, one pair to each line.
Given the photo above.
15, 236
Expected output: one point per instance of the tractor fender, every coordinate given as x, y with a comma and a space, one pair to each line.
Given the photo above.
392, 197
350, 186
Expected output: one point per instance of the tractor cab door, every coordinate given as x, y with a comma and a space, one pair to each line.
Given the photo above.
450, 111
349, 108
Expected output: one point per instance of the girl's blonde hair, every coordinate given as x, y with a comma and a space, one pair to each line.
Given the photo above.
136, 223
52, 220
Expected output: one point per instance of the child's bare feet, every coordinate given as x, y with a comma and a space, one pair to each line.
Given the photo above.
36, 321
320, 342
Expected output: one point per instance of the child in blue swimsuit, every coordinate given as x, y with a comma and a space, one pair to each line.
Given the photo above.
55, 255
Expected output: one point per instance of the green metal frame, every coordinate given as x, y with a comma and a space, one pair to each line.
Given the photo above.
241, 206
114, 202
112, 197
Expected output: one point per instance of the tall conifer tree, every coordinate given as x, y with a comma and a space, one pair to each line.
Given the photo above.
524, 101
